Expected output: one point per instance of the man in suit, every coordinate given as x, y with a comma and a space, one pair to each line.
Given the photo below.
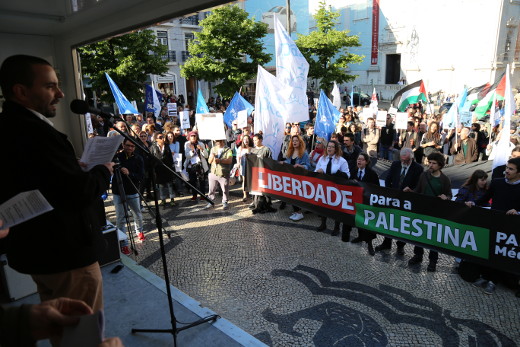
59, 249
403, 173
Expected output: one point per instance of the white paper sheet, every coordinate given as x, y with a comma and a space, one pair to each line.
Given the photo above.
100, 150
22, 207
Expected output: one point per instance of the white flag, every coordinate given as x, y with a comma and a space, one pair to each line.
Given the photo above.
373, 102
270, 108
336, 97
502, 150
291, 71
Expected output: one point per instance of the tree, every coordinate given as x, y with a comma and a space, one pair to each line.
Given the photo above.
326, 49
226, 50
128, 59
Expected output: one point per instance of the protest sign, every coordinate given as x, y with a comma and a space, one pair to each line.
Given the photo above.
185, 119
210, 126
401, 120
172, 109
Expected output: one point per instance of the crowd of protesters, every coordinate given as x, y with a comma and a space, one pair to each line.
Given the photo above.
354, 146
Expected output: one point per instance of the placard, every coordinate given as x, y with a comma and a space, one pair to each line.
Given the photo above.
185, 120
381, 118
177, 162
210, 126
172, 109
401, 120
242, 119
392, 110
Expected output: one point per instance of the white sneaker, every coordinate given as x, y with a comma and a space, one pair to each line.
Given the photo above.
297, 216
225, 206
291, 217
209, 205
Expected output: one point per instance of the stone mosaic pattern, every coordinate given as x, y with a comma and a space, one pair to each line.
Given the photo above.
289, 285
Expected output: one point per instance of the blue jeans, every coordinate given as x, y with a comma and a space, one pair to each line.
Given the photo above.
135, 208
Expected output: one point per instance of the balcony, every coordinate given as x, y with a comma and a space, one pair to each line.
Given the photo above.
185, 55
191, 20
170, 56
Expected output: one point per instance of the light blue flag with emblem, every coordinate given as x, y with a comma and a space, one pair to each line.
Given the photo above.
326, 117
201, 104
238, 103
125, 107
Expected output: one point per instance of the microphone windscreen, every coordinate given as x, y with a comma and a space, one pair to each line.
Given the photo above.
79, 106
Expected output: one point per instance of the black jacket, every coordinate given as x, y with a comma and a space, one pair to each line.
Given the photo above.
135, 166
40, 157
410, 180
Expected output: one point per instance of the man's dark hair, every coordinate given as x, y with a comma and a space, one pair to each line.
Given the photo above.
259, 136
515, 162
151, 116
516, 149
476, 125
308, 125
438, 157
410, 123
17, 69
350, 136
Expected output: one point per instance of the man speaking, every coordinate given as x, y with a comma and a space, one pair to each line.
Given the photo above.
58, 248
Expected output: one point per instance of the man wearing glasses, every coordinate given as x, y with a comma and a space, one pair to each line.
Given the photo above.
132, 173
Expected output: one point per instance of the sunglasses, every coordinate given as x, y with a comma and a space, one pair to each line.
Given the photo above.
160, 137
318, 142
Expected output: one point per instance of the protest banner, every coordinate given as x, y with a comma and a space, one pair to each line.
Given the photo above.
381, 118
210, 126
185, 119
401, 120
172, 109
242, 119
483, 236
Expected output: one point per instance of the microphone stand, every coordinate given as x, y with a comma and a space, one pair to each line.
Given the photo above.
174, 330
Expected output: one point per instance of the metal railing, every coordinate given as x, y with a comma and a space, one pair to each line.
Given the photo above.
191, 20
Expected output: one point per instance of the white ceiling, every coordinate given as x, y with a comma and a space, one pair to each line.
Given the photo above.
93, 19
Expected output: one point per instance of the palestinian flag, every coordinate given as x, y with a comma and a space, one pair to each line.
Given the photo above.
410, 94
478, 93
496, 92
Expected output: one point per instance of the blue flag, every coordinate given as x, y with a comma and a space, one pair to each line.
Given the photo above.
238, 103
352, 97
326, 117
201, 104
152, 102
125, 107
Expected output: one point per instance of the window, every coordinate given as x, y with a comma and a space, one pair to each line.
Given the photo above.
162, 37
393, 68
188, 37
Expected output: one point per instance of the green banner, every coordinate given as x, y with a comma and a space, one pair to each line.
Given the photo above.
425, 229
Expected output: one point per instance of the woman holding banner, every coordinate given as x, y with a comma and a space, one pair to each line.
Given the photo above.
364, 173
333, 163
297, 157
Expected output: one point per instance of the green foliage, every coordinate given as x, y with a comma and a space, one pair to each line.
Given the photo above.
221, 50
326, 50
128, 59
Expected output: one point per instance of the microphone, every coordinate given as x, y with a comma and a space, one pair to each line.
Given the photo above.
82, 107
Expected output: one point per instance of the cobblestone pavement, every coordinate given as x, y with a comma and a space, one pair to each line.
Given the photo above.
289, 285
